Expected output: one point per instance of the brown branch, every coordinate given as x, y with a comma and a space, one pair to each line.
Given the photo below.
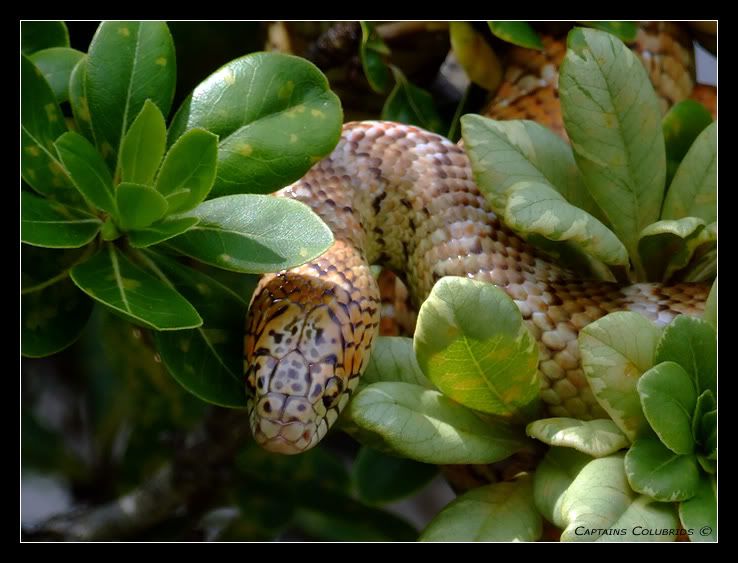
199, 468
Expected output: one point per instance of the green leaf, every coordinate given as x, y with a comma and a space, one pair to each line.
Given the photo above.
599, 505
503, 153
41, 123
498, 512
188, 171
163, 230
598, 438
254, 234
48, 223
381, 478
410, 104
56, 64
78, 99
138, 206
708, 465
490, 367
626, 31
693, 192
553, 477
538, 208
710, 314
669, 245
113, 280
658, 472
53, 310
207, 361
616, 350
275, 116
691, 343
700, 512
87, 169
393, 359
372, 51
517, 33
668, 398
426, 426
708, 432
613, 119
37, 35
143, 146
706, 402
127, 63
475, 55
681, 126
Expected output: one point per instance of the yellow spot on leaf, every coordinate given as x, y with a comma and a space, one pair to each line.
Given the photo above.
32, 150
317, 113
130, 284
286, 90
303, 252
228, 77
106, 149
51, 112
315, 159
246, 150
293, 138
124, 31
31, 173
161, 61
84, 109
295, 110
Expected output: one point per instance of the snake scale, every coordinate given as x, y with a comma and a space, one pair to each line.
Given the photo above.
405, 198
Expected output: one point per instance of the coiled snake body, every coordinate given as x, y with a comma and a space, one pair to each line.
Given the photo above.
402, 197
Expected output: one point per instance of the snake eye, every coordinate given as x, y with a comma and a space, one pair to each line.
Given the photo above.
332, 392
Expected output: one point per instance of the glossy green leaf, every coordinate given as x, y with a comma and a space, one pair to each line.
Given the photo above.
426, 426
693, 192
613, 119
517, 33
534, 207
599, 505
486, 366
56, 64
700, 512
87, 170
627, 31
691, 343
410, 104
501, 512
503, 153
393, 359
598, 438
656, 471
138, 206
669, 245
48, 223
711, 306
708, 432
37, 35
188, 171
275, 116
372, 52
616, 350
41, 123
553, 476
53, 310
127, 63
113, 280
380, 478
163, 230
78, 99
475, 55
668, 397
706, 402
681, 126
254, 234
143, 145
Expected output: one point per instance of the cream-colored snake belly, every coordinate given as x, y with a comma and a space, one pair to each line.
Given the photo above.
402, 197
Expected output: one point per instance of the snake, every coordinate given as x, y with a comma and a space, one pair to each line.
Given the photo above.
404, 198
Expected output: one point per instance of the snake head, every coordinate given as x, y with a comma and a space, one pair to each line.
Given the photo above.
303, 356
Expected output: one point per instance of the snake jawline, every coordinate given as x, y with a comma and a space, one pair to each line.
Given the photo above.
403, 197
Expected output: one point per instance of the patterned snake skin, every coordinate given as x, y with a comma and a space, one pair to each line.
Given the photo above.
404, 198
